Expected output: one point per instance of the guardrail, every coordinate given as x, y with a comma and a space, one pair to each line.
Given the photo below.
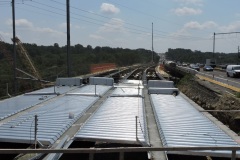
214, 78
120, 150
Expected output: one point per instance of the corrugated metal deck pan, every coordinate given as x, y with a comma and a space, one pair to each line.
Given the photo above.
54, 119
90, 89
52, 90
180, 124
14, 105
115, 121
127, 92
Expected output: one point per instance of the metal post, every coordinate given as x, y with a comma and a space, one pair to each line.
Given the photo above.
14, 49
214, 43
233, 155
91, 156
68, 38
152, 42
95, 90
136, 129
35, 132
8, 91
238, 52
138, 90
121, 155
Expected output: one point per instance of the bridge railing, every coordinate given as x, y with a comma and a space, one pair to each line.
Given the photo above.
121, 150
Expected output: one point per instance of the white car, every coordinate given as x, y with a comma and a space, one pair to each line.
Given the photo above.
233, 70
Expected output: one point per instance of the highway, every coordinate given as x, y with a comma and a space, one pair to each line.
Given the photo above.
221, 77
217, 76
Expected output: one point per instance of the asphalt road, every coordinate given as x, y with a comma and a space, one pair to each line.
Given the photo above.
221, 76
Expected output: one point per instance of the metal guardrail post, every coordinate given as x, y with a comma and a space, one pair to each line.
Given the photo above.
95, 90
136, 129
91, 156
35, 132
121, 155
233, 155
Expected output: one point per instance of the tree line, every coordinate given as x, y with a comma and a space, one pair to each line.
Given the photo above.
51, 61
189, 56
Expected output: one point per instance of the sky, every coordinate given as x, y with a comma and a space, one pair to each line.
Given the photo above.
188, 24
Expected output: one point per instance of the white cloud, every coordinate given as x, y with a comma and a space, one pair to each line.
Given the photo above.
78, 27
197, 25
47, 31
187, 11
21, 23
109, 8
5, 36
191, 2
94, 36
64, 25
233, 27
114, 25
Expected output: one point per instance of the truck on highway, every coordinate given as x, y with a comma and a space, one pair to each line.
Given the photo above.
211, 62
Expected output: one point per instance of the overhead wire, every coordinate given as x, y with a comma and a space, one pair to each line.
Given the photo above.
157, 34
138, 31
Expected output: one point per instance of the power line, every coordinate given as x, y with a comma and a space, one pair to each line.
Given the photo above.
158, 32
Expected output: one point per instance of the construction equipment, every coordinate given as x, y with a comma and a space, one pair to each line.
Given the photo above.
27, 61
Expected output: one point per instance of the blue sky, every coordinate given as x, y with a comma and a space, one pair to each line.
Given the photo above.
186, 24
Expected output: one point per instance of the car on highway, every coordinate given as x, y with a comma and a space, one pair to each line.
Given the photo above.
195, 67
207, 68
233, 70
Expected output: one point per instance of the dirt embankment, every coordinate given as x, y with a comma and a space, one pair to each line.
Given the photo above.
204, 95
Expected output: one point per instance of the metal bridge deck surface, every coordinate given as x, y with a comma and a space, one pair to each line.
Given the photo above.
115, 122
100, 89
57, 89
53, 120
127, 92
180, 124
14, 105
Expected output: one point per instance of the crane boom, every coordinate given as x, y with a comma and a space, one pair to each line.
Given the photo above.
27, 60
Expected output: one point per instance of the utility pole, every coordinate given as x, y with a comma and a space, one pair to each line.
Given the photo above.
14, 48
214, 43
238, 52
68, 38
214, 34
152, 42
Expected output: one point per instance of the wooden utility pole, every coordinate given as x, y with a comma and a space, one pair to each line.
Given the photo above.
14, 49
68, 39
238, 52
152, 42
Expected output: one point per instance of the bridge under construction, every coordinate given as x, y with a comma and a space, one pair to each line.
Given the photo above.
104, 119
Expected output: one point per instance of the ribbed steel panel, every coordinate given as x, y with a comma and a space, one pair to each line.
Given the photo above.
53, 120
115, 121
14, 105
180, 124
56, 89
127, 92
90, 89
